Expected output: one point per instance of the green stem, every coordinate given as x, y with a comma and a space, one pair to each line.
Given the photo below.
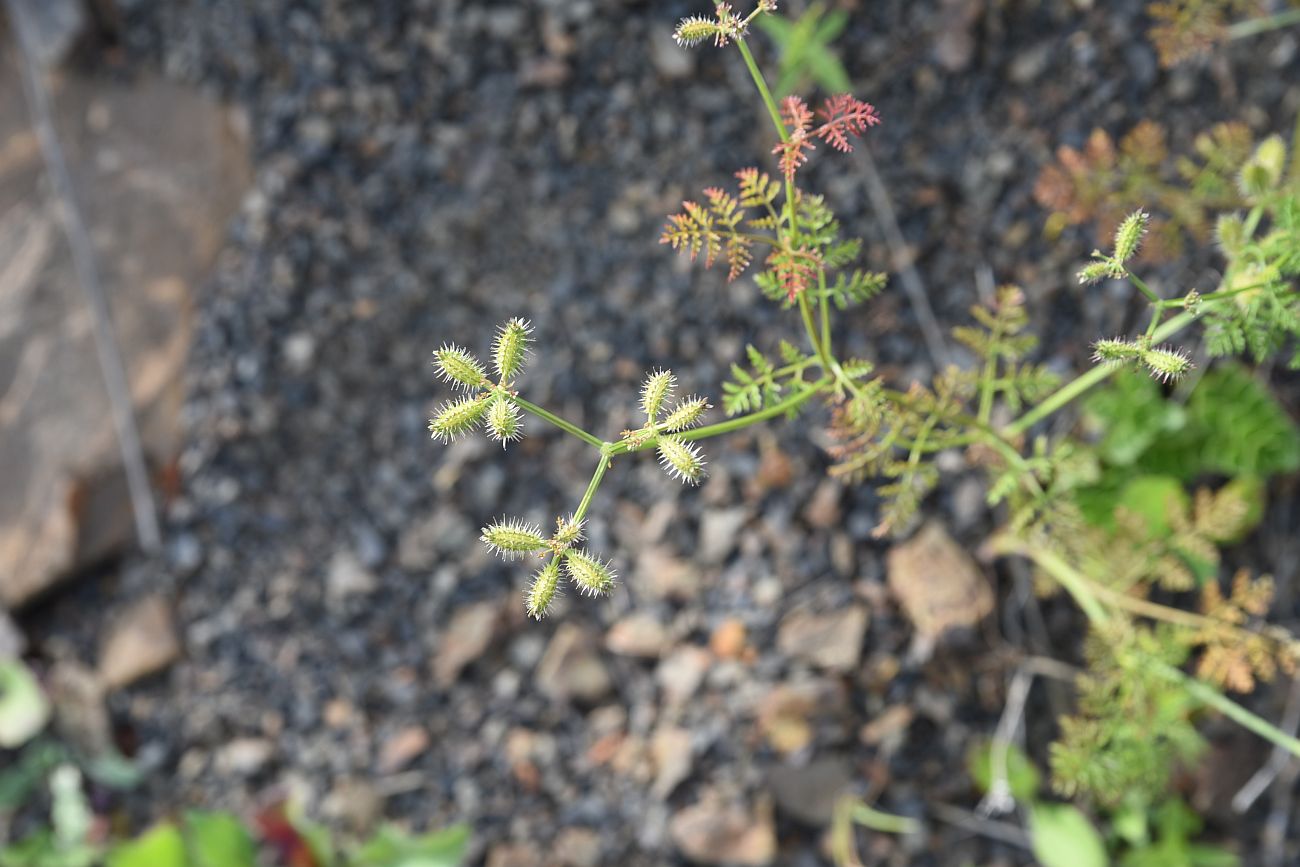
554, 419
1143, 287
1074, 583
805, 310
1256, 26
763, 91
733, 424
825, 305
1079, 588
1211, 697
1076, 387
599, 474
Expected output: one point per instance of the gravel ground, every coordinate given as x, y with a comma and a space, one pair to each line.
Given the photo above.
425, 169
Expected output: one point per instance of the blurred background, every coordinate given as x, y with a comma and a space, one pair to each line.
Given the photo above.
286, 206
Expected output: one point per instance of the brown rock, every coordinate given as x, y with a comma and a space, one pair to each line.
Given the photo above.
245, 756
514, 855
831, 641
937, 583
141, 642
714, 832
823, 509
728, 639
665, 576
80, 713
682, 671
784, 716
670, 747
637, 635
809, 793
468, 636
577, 847
402, 748
572, 668
158, 197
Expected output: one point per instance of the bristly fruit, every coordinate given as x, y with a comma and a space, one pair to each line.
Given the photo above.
543, 590
510, 349
459, 368
686, 414
658, 388
681, 460
1167, 364
1128, 237
1113, 350
513, 538
457, 417
589, 574
503, 421
568, 532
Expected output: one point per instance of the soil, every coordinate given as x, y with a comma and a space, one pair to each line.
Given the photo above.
428, 168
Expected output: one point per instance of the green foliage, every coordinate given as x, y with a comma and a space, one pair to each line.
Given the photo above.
1175, 826
1022, 776
806, 57
24, 710
1231, 425
1133, 726
1063, 837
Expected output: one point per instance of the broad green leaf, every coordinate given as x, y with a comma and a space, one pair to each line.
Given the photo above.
218, 840
393, 847
24, 709
161, 847
1063, 837
1150, 498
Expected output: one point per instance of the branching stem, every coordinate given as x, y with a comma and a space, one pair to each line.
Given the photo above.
554, 419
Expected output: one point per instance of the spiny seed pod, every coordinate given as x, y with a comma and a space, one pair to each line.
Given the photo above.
458, 368
513, 538
694, 30
568, 532
1114, 351
457, 417
1100, 269
1166, 364
687, 414
681, 460
542, 592
503, 422
1230, 231
1128, 237
657, 388
1264, 170
589, 574
510, 349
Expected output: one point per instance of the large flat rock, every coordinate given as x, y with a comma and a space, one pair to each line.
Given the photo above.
159, 170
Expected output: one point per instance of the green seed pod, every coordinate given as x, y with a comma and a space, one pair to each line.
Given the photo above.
590, 575
568, 532
458, 368
686, 414
1264, 170
1230, 231
513, 538
1100, 269
694, 30
457, 417
503, 422
1114, 351
1166, 364
657, 388
510, 349
1128, 237
681, 460
542, 592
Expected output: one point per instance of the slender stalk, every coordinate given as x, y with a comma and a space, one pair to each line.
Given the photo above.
1256, 26
1081, 384
1211, 697
1074, 583
1079, 588
761, 83
563, 425
601, 466
825, 305
1143, 287
734, 424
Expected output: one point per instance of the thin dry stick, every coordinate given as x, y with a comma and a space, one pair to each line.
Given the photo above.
991, 828
1277, 762
999, 799
902, 260
83, 262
